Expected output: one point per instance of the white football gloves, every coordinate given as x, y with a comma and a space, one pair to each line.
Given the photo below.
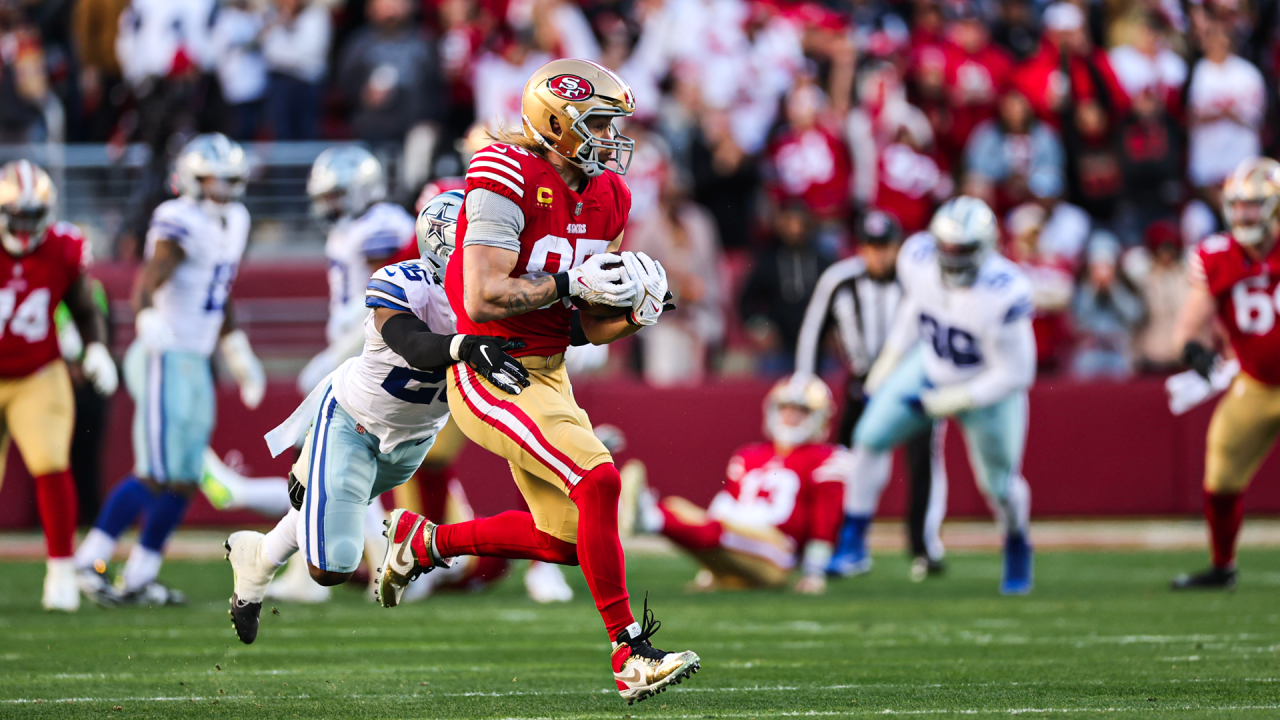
595, 284
881, 369
245, 368
947, 401
1188, 389
153, 330
650, 280
100, 368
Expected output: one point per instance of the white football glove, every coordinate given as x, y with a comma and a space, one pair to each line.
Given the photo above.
100, 368
245, 368
650, 279
945, 402
593, 283
881, 369
1188, 389
153, 330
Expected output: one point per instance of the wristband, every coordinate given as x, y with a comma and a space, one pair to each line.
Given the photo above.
562, 284
455, 347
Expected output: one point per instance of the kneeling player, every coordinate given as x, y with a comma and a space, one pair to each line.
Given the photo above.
371, 423
781, 499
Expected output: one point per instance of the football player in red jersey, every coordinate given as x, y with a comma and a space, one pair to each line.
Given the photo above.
1234, 277
782, 500
43, 263
545, 211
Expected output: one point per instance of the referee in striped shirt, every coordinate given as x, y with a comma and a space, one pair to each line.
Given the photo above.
855, 301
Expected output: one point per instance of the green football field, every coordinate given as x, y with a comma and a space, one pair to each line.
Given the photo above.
1100, 636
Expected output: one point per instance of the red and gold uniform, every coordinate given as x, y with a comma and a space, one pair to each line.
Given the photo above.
542, 432
1247, 420
773, 503
37, 408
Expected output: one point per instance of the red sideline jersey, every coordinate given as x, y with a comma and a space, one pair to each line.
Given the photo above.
30, 289
801, 493
1247, 302
562, 229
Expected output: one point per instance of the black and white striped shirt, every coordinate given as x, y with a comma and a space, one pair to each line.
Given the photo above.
860, 308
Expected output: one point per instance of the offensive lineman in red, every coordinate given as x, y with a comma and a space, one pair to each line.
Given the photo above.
1234, 277
781, 500
43, 263
545, 212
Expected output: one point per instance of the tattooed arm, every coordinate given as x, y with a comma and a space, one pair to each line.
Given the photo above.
490, 293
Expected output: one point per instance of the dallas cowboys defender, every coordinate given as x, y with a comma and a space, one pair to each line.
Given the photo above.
961, 347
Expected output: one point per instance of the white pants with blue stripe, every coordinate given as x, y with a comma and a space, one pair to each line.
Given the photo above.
344, 470
173, 415
995, 435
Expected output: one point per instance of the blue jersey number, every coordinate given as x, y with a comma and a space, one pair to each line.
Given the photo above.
397, 385
220, 287
950, 343
411, 272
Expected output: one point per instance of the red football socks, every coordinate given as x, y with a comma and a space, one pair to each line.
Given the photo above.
511, 534
57, 503
690, 536
1225, 513
599, 549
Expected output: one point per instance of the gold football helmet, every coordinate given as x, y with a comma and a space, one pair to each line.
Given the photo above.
559, 100
809, 394
28, 201
1251, 201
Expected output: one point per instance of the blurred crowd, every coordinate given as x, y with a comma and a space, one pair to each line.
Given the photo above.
1100, 132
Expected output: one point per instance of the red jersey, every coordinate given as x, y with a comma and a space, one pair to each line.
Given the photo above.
562, 228
800, 493
30, 289
813, 166
1245, 292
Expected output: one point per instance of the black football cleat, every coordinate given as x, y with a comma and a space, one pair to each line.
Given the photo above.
1215, 578
244, 618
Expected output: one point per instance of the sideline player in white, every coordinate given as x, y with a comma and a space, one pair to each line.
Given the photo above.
184, 313
961, 347
368, 426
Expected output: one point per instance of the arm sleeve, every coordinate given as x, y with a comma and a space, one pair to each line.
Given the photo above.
577, 336
1012, 364
493, 220
411, 339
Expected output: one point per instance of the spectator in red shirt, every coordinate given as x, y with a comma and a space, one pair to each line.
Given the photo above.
975, 71
807, 161
1053, 93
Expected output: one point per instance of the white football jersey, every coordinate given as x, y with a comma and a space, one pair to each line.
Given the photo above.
393, 401
958, 326
382, 230
213, 238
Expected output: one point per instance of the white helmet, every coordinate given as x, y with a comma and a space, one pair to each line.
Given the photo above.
28, 204
965, 231
344, 182
212, 157
808, 392
436, 230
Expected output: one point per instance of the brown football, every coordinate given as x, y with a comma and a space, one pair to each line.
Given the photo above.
598, 309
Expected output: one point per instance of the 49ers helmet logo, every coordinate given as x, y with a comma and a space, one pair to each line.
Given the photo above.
570, 87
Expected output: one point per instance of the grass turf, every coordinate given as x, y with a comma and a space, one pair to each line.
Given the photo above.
1100, 635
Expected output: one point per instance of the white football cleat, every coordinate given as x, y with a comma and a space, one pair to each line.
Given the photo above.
640, 669
97, 586
295, 584
252, 573
61, 590
546, 584
399, 566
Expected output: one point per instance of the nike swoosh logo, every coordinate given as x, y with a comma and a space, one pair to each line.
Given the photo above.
636, 675
484, 350
400, 558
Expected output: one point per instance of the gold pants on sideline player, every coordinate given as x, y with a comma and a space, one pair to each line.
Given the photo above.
1243, 430
38, 411
748, 556
542, 432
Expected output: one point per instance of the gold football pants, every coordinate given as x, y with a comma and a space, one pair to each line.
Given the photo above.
747, 557
543, 434
1241, 434
38, 411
